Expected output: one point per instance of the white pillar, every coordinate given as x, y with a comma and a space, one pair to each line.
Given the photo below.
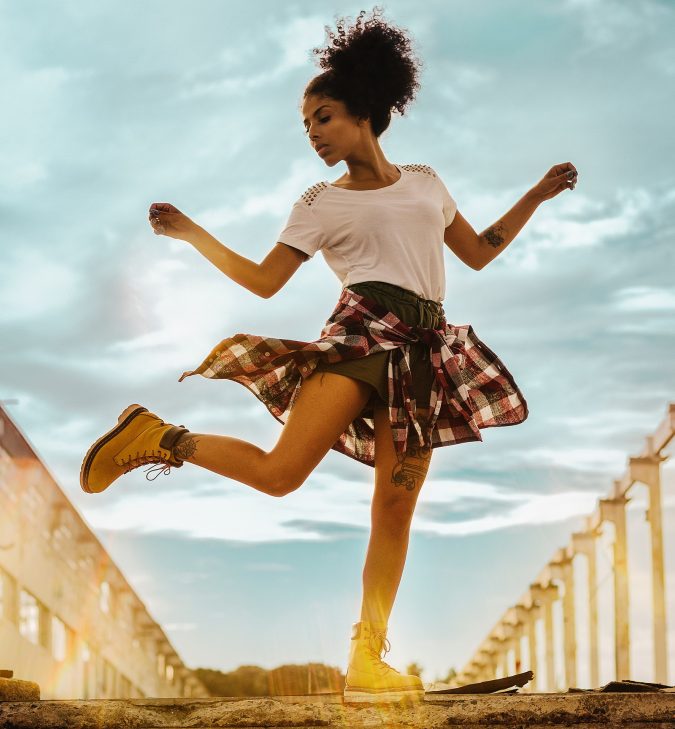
487, 655
470, 675
614, 510
510, 641
532, 613
563, 568
522, 616
500, 642
545, 596
648, 471
584, 543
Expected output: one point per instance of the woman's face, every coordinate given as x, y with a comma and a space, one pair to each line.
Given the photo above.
331, 130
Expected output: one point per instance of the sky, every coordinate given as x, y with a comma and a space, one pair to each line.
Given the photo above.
111, 106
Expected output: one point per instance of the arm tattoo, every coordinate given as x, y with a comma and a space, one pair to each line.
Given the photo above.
494, 235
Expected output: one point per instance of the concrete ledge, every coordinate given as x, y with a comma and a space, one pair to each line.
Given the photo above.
581, 711
13, 689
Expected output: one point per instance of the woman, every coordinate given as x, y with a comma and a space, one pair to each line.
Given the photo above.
395, 379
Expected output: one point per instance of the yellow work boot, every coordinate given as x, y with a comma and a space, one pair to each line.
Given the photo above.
369, 678
139, 437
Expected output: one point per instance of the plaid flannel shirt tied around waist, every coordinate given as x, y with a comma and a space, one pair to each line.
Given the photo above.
472, 387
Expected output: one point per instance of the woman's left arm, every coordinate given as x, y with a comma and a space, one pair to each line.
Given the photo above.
478, 250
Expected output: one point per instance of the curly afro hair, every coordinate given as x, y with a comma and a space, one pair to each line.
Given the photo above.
370, 68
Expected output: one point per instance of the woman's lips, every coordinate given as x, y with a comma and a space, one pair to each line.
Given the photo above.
321, 149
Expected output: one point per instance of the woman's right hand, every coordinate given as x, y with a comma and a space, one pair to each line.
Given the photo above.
166, 219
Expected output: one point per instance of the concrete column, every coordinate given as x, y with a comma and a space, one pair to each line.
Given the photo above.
563, 568
532, 613
614, 510
504, 663
545, 596
45, 627
647, 470
486, 658
10, 600
479, 667
584, 543
474, 673
509, 631
500, 644
526, 616
517, 653
470, 675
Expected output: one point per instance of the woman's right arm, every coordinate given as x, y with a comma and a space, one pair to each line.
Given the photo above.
240, 269
263, 279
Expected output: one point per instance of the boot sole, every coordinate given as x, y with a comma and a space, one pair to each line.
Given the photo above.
363, 696
98, 444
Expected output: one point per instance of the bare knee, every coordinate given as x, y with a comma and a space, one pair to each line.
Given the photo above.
284, 483
284, 488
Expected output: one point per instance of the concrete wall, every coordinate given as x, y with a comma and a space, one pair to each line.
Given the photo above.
68, 618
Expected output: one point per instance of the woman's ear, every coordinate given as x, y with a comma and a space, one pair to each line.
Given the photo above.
364, 121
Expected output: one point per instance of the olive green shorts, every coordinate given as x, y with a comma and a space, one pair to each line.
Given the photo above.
411, 309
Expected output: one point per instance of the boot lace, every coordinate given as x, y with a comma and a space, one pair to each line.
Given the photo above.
164, 468
382, 642
151, 457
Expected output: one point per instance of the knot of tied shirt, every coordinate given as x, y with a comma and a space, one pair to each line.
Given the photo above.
448, 355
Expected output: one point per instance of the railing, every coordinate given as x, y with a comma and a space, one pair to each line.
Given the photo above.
491, 657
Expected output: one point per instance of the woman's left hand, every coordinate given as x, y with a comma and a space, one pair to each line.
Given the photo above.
558, 178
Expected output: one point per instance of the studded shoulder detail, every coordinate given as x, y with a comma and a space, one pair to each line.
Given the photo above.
311, 193
420, 168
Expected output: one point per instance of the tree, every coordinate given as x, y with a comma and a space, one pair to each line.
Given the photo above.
286, 680
451, 674
414, 669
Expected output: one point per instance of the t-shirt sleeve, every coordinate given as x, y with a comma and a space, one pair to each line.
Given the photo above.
449, 204
303, 230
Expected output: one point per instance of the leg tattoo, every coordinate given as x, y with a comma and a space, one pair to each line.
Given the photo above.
186, 446
411, 469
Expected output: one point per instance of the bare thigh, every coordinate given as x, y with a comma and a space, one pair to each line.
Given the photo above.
326, 404
398, 479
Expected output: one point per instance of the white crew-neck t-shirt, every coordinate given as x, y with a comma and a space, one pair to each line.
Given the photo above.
392, 234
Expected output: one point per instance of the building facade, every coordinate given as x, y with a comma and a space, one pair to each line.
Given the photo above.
69, 620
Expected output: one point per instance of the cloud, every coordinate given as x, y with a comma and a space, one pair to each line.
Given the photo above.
179, 627
645, 298
662, 60
594, 458
32, 285
465, 507
329, 530
276, 201
445, 508
615, 24
268, 567
292, 40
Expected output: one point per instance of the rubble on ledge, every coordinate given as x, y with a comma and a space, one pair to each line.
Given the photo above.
638, 710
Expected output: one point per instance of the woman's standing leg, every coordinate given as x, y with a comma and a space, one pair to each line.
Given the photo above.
397, 486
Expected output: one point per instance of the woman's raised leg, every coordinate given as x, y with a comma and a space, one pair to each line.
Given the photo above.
326, 404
